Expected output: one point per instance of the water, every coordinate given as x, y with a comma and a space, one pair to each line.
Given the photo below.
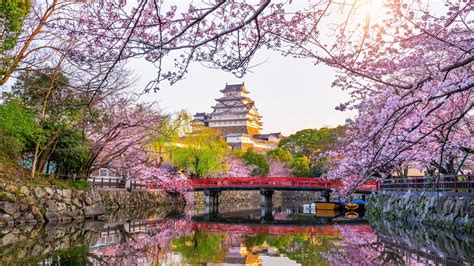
281, 236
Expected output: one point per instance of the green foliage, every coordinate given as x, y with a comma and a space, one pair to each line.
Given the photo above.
201, 153
261, 168
171, 129
34, 88
47, 96
313, 143
71, 153
12, 14
280, 154
73, 256
201, 247
301, 167
309, 141
48, 181
320, 167
17, 130
81, 185
307, 250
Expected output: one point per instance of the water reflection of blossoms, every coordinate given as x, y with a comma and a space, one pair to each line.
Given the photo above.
148, 244
181, 241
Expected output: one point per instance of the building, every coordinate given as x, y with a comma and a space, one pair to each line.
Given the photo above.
236, 117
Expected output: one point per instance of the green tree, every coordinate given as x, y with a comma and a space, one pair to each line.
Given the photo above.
17, 130
201, 153
171, 129
71, 154
12, 14
58, 111
313, 143
261, 166
301, 167
280, 154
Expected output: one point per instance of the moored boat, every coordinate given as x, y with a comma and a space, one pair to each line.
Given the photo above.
323, 205
351, 215
355, 205
327, 213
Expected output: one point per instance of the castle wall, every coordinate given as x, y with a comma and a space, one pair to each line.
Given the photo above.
237, 129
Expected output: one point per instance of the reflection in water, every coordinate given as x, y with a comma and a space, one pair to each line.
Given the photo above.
291, 236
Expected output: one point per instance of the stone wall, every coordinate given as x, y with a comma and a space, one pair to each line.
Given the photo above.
448, 211
442, 242
20, 205
300, 197
24, 205
33, 244
124, 205
239, 200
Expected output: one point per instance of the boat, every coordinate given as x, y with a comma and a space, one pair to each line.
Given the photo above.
331, 205
327, 213
351, 215
355, 205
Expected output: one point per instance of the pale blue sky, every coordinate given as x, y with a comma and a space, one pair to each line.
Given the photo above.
291, 94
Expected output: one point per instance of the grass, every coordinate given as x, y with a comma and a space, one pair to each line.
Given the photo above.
22, 178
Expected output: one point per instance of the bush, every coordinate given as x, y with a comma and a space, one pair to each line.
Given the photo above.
280, 154
320, 167
301, 167
17, 130
259, 161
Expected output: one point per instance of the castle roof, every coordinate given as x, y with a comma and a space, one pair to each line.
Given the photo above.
249, 105
216, 113
234, 87
232, 98
266, 136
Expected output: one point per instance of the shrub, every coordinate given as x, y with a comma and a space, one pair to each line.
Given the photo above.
301, 167
280, 154
259, 161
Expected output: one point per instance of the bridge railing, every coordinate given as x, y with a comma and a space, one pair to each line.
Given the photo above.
106, 182
206, 183
447, 183
118, 183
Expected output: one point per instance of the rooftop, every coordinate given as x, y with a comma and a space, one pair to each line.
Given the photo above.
234, 87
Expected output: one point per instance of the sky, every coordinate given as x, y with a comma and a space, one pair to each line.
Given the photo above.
291, 94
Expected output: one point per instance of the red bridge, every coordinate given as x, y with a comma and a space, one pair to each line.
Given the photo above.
212, 187
267, 183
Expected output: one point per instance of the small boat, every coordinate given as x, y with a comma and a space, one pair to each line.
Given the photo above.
355, 205
351, 215
323, 205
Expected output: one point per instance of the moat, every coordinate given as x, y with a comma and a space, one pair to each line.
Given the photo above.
291, 235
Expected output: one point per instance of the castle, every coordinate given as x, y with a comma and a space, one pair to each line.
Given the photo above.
237, 119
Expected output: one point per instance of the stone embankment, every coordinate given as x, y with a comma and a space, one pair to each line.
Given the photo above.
25, 205
36, 245
444, 242
240, 200
447, 211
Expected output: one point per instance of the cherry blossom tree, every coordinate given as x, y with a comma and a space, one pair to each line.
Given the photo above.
236, 167
414, 106
279, 169
123, 142
104, 34
408, 68
410, 74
